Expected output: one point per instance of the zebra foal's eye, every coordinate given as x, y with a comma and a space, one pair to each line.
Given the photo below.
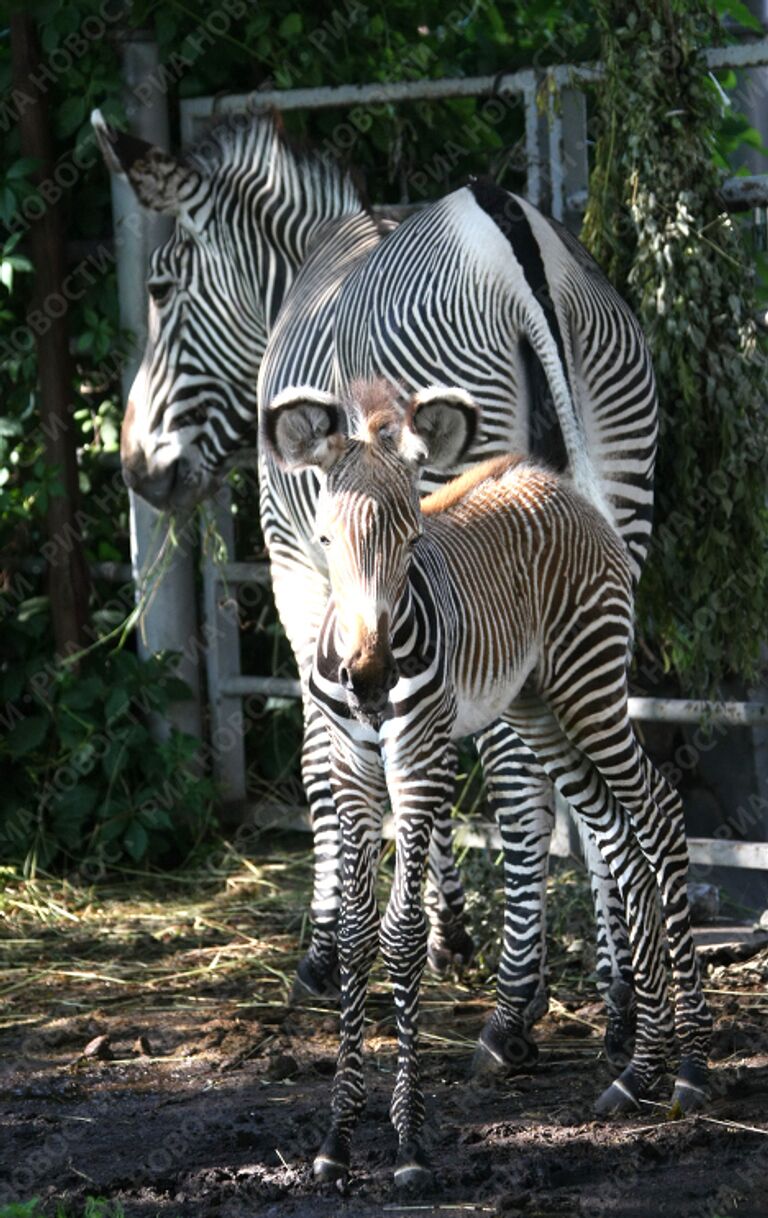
324, 539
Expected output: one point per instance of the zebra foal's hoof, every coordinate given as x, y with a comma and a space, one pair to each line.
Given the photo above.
331, 1161
691, 1093
500, 1053
622, 1097
314, 980
412, 1171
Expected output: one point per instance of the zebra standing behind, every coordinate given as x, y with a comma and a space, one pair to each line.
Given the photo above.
276, 268
504, 594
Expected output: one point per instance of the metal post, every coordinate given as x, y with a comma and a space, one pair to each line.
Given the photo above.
169, 622
222, 639
575, 176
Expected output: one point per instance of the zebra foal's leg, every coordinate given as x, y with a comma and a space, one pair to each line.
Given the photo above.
416, 799
449, 946
579, 781
360, 792
614, 959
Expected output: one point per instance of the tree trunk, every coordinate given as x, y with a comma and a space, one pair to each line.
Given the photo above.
67, 570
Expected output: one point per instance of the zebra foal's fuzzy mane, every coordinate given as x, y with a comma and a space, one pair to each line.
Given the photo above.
458, 488
373, 410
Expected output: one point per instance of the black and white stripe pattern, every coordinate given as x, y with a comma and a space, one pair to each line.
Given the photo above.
479, 289
511, 595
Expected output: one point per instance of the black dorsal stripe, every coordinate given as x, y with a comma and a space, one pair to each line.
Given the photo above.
545, 435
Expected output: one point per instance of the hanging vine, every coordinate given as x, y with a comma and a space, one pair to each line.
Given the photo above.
656, 223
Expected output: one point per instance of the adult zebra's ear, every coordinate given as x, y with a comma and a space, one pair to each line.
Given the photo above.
440, 426
160, 181
303, 427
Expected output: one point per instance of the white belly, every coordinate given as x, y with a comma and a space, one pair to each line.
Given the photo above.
476, 708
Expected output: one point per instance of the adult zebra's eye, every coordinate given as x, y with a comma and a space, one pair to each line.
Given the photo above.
160, 290
324, 539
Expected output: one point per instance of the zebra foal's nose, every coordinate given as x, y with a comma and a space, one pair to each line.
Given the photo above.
369, 679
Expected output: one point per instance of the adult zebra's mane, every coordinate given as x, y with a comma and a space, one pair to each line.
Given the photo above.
254, 141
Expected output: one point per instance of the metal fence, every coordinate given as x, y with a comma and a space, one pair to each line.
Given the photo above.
556, 160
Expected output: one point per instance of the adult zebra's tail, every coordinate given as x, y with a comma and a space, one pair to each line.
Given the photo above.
536, 317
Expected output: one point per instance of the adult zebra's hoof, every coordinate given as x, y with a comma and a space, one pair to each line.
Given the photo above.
691, 1093
500, 1052
450, 950
332, 1160
412, 1171
622, 1097
315, 979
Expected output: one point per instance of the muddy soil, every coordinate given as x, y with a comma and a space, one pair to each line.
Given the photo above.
210, 1095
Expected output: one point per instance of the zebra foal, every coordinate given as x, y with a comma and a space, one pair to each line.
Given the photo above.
504, 594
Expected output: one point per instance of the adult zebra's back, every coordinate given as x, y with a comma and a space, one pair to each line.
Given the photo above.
274, 253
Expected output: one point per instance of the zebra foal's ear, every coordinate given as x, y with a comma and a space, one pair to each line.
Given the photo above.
442, 423
303, 427
160, 181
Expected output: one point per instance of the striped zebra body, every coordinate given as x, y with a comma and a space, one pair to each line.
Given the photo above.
274, 255
505, 594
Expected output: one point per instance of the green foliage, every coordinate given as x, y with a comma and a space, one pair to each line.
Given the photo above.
87, 780
94, 1207
656, 225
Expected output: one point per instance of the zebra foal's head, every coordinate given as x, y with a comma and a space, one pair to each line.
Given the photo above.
370, 448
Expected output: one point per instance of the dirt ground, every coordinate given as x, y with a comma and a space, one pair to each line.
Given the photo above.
211, 1094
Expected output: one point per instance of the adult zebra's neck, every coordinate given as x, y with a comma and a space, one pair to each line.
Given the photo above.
272, 200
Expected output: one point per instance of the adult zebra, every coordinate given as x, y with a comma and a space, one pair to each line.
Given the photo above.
479, 287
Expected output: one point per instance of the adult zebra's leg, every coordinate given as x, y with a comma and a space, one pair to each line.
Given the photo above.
655, 812
523, 800
417, 795
360, 793
614, 959
449, 946
521, 796
581, 783
301, 595
317, 972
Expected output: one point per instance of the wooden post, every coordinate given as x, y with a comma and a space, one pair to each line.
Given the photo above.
67, 570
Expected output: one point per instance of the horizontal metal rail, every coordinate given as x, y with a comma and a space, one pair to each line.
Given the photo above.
476, 834
739, 194
323, 97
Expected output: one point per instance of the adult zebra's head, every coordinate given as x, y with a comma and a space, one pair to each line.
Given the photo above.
368, 515
244, 207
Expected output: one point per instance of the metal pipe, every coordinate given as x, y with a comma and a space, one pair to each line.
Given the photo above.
677, 710
267, 687
170, 619
751, 54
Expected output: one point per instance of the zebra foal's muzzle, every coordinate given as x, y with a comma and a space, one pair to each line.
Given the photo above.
368, 675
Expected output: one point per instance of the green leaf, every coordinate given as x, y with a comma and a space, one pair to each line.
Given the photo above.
22, 168
118, 701
70, 115
136, 840
291, 25
84, 693
27, 735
